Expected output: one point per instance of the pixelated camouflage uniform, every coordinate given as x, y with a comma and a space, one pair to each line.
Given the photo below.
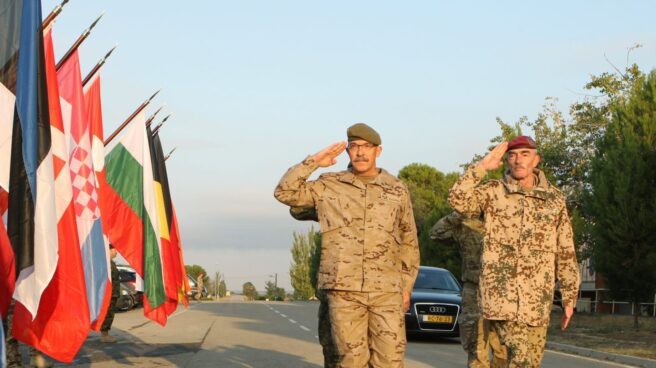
476, 335
14, 358
116, 293
528, 244
330, 354
362, 275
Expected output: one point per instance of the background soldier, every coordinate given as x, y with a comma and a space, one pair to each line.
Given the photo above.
368, 280
475, 333
330, 354
111, 308
528, 245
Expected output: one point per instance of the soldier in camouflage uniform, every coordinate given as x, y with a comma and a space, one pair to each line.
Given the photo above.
528, 245
369, 249
476, 335
111, 308
330, 354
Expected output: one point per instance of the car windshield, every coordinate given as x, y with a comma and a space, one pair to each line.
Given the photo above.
436, 280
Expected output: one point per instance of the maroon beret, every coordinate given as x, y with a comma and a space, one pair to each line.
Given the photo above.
522, 141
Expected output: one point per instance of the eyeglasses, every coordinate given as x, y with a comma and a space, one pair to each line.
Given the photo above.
355, 147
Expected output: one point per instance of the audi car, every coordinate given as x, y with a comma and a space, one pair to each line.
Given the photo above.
435, 304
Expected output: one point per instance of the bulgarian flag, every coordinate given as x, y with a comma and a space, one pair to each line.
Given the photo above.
130, 211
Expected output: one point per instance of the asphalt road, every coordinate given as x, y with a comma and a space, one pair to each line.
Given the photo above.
241, 334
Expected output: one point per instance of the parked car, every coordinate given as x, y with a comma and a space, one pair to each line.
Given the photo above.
193, 293
435, 304
126, 300
131, 283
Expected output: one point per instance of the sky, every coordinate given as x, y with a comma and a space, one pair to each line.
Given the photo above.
256, 86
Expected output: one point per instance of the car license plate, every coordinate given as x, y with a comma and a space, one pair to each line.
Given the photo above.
437, 319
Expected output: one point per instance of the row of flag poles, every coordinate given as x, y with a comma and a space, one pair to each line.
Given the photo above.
66, 193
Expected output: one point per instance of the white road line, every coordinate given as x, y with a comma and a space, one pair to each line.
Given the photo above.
590, 359
304, 328
276, 311
282, 315
291, 320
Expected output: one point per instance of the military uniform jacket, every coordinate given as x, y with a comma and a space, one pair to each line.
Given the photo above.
368, 234
528, 244
468, 233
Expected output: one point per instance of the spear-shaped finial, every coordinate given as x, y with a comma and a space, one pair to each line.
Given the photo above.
170, 153
98, 65
159, 126
129, 119
152, 117
53, 14
78, 42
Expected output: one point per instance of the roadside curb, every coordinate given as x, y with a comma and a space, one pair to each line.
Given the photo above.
600, 355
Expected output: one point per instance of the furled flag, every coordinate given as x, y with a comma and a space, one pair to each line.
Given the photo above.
32, 220
10, 11
170, 255
93, 109
62, 322
131, 211
77, 129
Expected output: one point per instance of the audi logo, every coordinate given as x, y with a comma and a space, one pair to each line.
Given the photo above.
437, 309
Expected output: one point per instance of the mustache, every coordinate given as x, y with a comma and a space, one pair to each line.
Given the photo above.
361, 159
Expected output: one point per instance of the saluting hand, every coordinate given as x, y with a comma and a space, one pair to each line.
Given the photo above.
492, 160
326, 157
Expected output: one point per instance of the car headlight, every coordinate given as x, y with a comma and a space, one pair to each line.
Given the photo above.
124, 292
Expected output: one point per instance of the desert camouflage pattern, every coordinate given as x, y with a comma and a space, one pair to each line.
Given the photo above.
368, 233
476, 336
528, 244
383, 343
525, 343
304, 213
468, 233
330, 352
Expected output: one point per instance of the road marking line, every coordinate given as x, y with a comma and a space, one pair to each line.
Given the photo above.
276, 311
588, 358
292, 321
282, 315
304, 328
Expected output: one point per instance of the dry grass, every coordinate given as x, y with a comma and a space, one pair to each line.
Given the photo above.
610, 333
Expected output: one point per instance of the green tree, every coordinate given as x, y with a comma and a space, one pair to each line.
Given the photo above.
249, 291
223, 290
300, 269
429, 189
621, 202
273, 292
195, 270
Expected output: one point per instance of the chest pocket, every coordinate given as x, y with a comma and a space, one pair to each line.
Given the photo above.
385, 211
543, 222
330, 213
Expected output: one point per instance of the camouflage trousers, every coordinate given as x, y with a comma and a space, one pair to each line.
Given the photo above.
330, 354
368, 328
476, 335
14, 358
525, 343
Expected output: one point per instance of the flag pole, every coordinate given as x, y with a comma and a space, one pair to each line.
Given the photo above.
128, 120
53, 14
170, 153
152, 117
159, 126
78, 42
97, 67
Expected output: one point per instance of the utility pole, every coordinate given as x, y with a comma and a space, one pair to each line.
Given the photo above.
216, 286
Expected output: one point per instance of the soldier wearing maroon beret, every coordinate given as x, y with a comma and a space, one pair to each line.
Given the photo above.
528, 244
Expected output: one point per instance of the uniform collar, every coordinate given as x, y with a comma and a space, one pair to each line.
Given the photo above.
541, 189
383, 179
